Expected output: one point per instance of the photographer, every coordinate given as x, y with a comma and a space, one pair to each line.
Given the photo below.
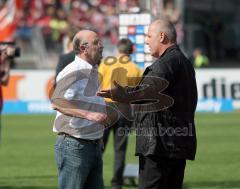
7, 52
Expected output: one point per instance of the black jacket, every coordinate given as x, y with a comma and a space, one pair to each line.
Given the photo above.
63, 61
171, 132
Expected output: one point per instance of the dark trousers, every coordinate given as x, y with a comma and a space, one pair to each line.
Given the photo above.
161, 173
120, 147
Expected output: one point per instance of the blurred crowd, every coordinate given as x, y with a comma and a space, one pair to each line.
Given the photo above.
57, 17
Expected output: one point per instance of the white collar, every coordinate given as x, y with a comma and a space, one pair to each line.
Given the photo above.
83, 62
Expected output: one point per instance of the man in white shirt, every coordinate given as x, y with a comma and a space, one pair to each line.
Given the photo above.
80, 116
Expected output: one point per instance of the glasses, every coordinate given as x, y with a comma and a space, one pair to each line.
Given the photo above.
97, 42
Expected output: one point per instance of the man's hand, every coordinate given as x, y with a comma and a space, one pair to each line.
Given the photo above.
105, 93
10, 51
117, 94
96, 116
54, 106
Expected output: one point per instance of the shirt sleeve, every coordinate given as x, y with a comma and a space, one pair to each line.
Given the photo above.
71, 92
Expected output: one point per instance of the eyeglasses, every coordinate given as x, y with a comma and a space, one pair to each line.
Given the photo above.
95, 42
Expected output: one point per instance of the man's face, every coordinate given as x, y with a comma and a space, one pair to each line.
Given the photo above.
153, 41
95, 50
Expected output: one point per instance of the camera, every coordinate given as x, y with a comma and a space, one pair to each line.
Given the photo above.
14, 51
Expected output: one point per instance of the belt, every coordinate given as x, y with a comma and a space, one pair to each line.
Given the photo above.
80, 139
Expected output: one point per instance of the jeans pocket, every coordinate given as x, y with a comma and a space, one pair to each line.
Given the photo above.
59, 151
59, 156
78, 154
74, 145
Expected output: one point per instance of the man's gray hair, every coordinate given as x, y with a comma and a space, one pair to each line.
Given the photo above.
164, 25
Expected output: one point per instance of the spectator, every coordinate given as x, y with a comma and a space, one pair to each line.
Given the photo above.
126, 73
69, 56
59, 26
200, 59
51, 17
6, 53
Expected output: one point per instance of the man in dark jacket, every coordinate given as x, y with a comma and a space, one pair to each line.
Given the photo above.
68, 57
166, 135
64, 60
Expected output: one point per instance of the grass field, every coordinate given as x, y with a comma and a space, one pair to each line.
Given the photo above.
27, 160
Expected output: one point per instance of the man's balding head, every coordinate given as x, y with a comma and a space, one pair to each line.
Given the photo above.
88, 46
82, 37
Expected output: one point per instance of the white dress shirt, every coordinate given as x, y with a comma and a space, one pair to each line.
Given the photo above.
83, 90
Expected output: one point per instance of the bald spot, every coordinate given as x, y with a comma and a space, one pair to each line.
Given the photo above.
85, 35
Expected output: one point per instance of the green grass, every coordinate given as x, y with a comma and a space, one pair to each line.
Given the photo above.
27, 159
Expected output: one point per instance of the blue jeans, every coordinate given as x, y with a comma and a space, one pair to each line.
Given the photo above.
79, 164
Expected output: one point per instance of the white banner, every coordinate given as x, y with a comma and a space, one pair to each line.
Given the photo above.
27, 91
28, 85
218, 83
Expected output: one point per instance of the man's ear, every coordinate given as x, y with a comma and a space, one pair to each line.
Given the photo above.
162, 37
82, 48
